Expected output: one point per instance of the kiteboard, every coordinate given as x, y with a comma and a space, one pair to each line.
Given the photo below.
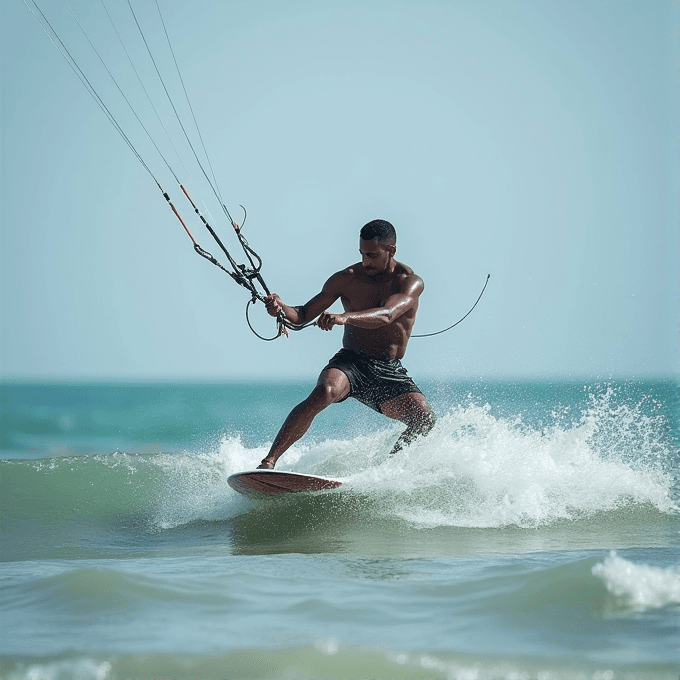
256, 483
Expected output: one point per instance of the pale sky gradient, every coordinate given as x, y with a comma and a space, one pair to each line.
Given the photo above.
533, 140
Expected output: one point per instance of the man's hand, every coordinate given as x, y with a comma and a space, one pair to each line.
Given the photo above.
273, 304
327, 321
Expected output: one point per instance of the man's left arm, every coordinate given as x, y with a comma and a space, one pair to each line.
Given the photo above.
377, 317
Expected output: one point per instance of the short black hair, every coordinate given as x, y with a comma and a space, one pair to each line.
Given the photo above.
380, 229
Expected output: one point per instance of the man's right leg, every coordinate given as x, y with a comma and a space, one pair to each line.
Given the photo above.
331, 386
412, 409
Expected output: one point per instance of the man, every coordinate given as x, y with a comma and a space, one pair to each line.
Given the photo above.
380, 298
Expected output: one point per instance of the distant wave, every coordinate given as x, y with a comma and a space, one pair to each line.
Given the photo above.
567, 597
637, 587
327, 658
584, 589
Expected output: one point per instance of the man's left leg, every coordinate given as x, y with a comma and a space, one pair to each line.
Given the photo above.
412, 409
331, 386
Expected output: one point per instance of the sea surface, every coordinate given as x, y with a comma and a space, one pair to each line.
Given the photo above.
535, 533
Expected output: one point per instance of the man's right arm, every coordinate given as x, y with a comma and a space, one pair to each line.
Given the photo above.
318, 304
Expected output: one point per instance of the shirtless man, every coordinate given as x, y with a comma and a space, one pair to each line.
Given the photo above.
380, 298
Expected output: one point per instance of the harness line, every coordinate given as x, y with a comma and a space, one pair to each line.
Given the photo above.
429, 335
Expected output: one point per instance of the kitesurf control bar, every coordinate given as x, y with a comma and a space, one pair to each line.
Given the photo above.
243, 275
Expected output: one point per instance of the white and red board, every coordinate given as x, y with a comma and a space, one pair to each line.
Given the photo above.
258, 483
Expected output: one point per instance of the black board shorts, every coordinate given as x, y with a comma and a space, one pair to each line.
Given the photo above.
372, 381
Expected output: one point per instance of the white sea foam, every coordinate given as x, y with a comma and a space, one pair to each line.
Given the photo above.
477, 470
474, 469
78, 669
638, 587
195, 485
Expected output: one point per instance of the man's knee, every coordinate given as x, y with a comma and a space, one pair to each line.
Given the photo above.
325, 394
332, 386
411, 408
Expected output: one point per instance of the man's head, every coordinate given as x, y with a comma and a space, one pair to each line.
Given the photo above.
380, 229
377, 245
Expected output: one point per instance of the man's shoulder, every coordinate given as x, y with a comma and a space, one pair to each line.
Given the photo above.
408, 281
343, 277
402, 272
402, 269
405, 274
348, 273
354, 271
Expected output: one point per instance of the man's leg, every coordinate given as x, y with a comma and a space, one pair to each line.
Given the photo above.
412, 409
331, 386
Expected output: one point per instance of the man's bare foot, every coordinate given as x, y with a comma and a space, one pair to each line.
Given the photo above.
265, 465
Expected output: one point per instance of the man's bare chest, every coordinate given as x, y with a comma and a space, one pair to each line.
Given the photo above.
361, 295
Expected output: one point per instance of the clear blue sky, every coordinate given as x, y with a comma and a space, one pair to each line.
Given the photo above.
535, 140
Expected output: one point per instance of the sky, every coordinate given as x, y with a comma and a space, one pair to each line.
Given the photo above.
533, 140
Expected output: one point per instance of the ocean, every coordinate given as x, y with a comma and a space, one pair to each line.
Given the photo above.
535, 533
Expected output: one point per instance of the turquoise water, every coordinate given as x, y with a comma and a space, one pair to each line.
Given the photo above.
534, 534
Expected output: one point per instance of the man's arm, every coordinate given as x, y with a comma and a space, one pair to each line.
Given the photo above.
319, 303
377, 317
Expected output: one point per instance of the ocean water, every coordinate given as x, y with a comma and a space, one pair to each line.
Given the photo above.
535, 533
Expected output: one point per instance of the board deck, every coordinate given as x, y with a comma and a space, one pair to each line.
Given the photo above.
256, 483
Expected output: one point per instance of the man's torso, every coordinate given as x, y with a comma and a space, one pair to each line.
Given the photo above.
361, 292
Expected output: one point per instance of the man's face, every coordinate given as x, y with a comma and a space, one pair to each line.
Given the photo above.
375, 256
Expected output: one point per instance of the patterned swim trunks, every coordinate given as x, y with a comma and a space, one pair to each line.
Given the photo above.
372, 381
